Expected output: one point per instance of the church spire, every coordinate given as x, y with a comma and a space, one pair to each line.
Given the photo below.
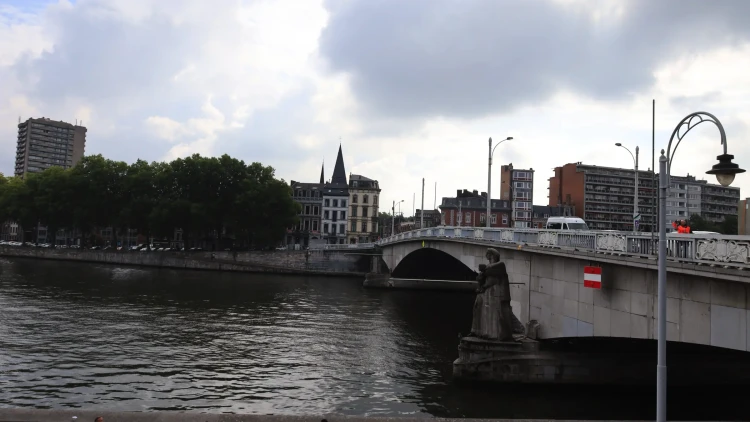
322, 172
339, 173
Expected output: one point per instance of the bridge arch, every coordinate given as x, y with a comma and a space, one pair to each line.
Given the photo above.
433, 264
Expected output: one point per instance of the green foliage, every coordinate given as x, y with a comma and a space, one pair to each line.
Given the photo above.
207, 197
728, 226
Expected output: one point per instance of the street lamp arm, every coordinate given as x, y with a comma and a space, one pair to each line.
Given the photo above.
631, 154
688, 123
496, 145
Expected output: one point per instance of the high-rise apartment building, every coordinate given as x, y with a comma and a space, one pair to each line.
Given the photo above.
43, 143
517, 186
743, 219
604, 196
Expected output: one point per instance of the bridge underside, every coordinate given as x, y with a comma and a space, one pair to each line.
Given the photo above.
433, 264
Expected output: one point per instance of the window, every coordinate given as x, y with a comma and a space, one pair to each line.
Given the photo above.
375, 200
365, 199
493, 219
521, 195
342, 214
354, 198
482, 218
316, 210
364, 211
458, 218
325, 215
333, 229
522, 185
505, 218
315, 225
364, 227
468, 218
325, 228
335, 203
354, 210
326, 203
342, 227
307, 209
354, 226
343, 203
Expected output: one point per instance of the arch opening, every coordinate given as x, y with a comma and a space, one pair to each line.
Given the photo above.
433, 264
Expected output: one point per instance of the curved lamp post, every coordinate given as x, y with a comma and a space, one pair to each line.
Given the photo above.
489, 177
393, 216
635, 201
725, 172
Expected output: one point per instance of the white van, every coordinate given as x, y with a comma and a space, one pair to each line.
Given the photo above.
566, 223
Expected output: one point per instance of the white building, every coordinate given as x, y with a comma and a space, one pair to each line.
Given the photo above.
335, 204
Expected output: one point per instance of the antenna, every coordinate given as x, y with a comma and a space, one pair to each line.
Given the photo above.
19, 119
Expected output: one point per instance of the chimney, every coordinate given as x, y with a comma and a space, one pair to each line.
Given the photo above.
484, 194
458, 193
475, 192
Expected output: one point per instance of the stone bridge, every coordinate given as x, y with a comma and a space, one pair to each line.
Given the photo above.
707, 281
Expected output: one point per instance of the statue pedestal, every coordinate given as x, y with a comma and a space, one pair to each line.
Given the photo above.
502, 361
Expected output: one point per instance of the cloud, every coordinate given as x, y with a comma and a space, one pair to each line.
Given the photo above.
427, 58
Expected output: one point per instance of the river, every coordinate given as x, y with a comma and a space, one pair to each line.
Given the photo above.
134, 339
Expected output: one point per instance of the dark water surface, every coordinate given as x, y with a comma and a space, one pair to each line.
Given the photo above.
124, 338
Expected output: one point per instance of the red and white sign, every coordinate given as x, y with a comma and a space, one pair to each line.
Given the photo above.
592, 277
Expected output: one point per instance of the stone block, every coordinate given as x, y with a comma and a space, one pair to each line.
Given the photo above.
546, 285
673, 286
558, 305
558, 267
620, 300
695, 320
620, 324
558, 288
541, 300
639, 281
673, 309
542, 266
586, 312
570, 327
728, 293
602, 298
535, 313
534, 283
673, 330
570, 308
585, 294
471, 261
695, 289
639, 326
615, 277
522, 266
728, 327
641, 303
571, 290
585, 329
602, 321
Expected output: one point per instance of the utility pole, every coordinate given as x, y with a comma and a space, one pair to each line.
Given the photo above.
421, 214
636, 220
393, 219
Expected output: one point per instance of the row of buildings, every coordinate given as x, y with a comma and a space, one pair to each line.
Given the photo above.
603, 196
337, 211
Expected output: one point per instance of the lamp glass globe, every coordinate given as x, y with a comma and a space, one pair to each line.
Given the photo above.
725, 179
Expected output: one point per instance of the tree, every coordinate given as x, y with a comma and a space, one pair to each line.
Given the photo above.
729, 226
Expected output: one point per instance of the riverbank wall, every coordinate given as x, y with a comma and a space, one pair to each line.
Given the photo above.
318, 262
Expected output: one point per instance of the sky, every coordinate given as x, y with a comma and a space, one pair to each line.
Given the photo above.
409, 89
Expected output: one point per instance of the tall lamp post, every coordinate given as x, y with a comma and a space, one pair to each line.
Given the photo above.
491, 151
635, 201
393, 216
725, 172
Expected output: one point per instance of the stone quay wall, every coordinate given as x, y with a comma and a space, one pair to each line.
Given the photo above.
284, 262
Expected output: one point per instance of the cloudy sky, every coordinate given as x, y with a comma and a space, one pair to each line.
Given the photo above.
411, 88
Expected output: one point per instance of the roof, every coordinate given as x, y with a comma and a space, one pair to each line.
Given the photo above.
360, 177
339, 173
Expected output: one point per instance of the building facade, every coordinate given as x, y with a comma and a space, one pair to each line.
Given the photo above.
44, 143
364, 196
469, 209
307, 232
431, 218
743, 220
604, 196
517, 186
335, 204
543, 212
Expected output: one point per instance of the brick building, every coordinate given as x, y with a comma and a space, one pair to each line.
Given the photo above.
431, 218
469, 209
517, 186
743, 220
604, 196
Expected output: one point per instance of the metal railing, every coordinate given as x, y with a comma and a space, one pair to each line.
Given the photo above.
714, 250
346, 246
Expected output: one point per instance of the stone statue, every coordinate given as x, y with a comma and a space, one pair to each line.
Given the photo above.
493, 317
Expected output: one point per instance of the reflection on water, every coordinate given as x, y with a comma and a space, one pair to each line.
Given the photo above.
79, 335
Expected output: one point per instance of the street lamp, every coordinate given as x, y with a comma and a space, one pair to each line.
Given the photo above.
393, 216
725, 171
491, 151
635, 202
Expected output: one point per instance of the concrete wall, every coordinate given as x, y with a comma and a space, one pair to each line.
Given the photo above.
705, 305
292, 262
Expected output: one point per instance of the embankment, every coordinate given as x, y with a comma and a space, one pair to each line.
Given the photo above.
337, 263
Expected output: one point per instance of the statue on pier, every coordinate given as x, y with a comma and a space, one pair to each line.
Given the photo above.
493, 317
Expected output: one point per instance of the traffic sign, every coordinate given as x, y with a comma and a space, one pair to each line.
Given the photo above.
592, 277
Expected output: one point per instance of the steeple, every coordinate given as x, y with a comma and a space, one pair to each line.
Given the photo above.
322, 172
339, 174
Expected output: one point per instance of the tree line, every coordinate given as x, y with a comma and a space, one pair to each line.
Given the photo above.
206, 197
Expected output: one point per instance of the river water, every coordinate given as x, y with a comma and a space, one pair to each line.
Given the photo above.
133, 339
